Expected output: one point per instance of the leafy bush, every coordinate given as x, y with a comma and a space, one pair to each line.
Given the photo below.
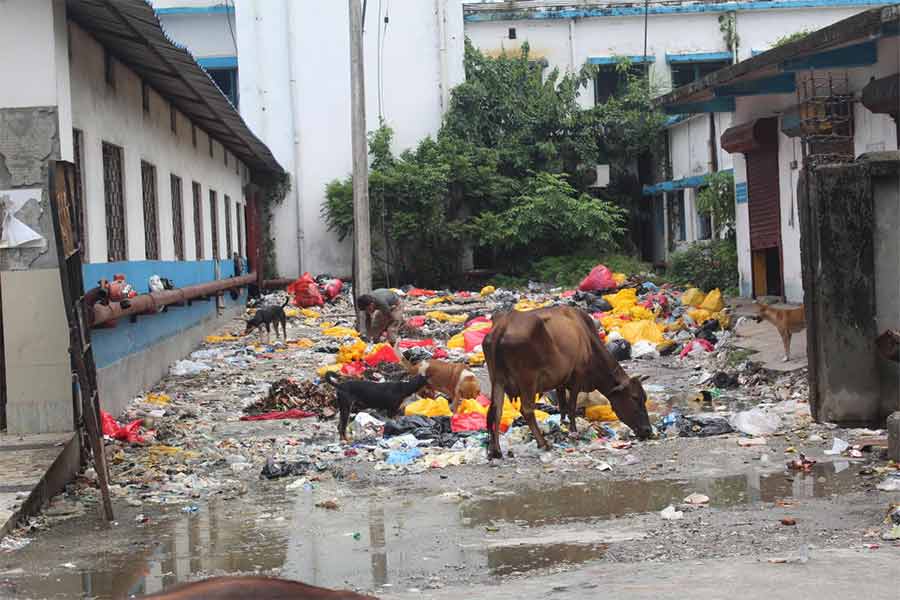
716, 198
707, 265
568, 271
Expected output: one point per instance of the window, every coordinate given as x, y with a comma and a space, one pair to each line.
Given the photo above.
512, 33
214, 223
109, 70
78, 193
212, 154
229, 249
173, 119
151, 211
225, 156
610, 80
240, 229
194, 135
177, 216
684, 73
114, 199
227, 80
237, 166
198, 222
145, 97
704, 227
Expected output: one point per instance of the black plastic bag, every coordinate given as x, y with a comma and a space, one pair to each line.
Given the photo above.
702, 426
620, 349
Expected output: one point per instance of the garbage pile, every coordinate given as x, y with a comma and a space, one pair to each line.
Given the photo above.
287, 395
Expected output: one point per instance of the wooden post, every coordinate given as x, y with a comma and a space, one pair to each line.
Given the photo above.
362, 254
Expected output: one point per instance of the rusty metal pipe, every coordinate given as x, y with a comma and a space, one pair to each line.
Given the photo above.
148, 303
277, 284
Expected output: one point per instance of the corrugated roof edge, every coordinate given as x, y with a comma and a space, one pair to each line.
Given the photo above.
864, 24
246, 145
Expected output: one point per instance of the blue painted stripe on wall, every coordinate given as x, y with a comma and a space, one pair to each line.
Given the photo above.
698, 57
638, 10
677, 184
111, 345
611, 60
195, 10
218, 62
740, 193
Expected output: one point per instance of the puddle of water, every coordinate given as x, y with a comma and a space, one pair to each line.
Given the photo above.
375, 539
609, 499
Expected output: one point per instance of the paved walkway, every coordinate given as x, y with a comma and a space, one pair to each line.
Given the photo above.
765, 341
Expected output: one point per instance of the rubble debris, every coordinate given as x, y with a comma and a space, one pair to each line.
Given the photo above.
287, 394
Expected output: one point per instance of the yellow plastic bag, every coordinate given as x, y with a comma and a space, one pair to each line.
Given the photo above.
622, 300
693, 297
526, 305
600, 412
476, 359
445, 318
333, 368
351, 352
429, 407
340, 332
620, 278
457, 342
310, 313
488, 290
641, 313
699, 315
637, 331
302, 343
676, 325
470, 405
158, 399
713, 301
437, 300
724, 320
216, 339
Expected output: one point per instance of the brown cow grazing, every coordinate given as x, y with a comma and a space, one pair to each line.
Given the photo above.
532, 352
258, 588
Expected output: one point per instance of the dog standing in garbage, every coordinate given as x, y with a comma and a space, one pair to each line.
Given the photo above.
357, 394
259, 588
454, 380
268, 317
787, 320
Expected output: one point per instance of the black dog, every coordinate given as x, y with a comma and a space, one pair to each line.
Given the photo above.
273, 315
368, 394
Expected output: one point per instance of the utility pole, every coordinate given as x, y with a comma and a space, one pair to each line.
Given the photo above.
362, 253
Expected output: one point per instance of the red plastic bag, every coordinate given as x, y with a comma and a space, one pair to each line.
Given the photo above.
600, 278
471, 322
294, 413
699, 342
416, 292
354, 369
416, 343
383, 354
128, 433
567, 294
440, 353
472, 421
474, 338
332, 289
416, 322
305, 292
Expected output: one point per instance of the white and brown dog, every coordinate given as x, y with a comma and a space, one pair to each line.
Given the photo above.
454, 380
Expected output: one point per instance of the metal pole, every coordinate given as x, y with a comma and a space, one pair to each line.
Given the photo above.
362, 254
646, 19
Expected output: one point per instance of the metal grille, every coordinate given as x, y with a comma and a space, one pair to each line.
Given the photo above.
78, 193
198, 220
228, 246
177, 216
114, 198
214, 223
151, 211
240, 229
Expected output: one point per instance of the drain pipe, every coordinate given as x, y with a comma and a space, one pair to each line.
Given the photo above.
292, 25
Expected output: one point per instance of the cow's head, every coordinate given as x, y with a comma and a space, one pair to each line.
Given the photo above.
629, 400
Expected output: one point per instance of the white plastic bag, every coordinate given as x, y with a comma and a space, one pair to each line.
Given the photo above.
756, 422
188, 367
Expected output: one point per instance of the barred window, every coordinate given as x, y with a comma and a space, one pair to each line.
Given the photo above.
214, 223
114, 199
228, 246
78, 193
198, 220
240, 229
177, 216
151, 211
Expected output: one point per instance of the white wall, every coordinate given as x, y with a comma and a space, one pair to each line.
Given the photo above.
308, 128
789, 150
116, 116
26, 33
205, 35
760, 29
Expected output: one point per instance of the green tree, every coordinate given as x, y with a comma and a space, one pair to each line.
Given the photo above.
716, 199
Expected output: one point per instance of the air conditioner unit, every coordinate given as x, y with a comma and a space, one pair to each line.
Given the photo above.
602, 178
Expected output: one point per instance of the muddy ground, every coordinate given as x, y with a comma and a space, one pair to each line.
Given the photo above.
530, 526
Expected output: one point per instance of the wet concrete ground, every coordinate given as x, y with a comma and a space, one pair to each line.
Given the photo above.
523, 527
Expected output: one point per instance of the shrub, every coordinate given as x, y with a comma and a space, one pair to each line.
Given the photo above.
707, 265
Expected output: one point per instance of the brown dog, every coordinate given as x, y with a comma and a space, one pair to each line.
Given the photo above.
787, 321
454, 380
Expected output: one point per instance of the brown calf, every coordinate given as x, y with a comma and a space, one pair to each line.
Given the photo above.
258, 588
528, 353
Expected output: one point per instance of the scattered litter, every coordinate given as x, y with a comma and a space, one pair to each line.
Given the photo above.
756, 422
753, 441
838, 447
670, 514
788, 521
186, 368
331, 504
890, 484
697, 499
801, 463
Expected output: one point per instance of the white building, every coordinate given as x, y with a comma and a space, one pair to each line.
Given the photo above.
161, 166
